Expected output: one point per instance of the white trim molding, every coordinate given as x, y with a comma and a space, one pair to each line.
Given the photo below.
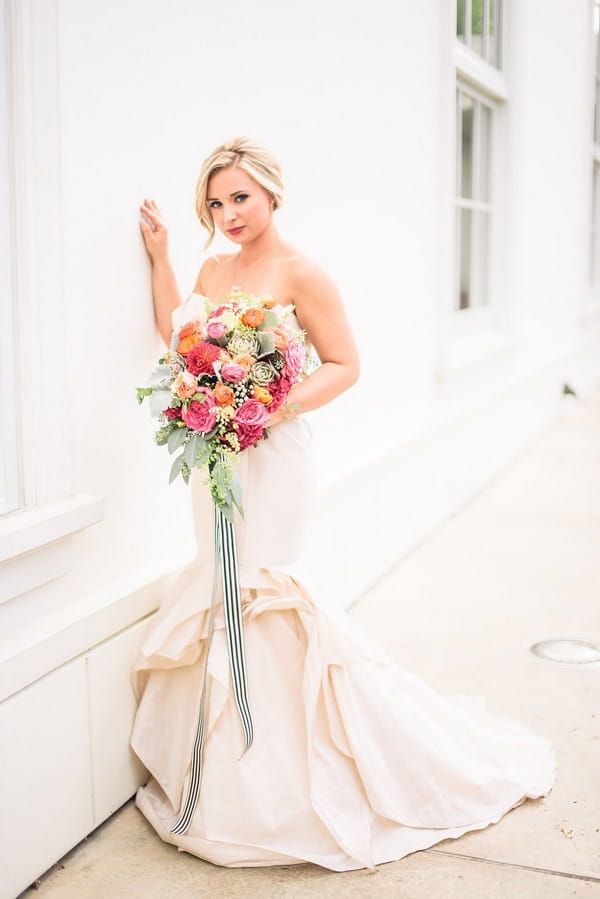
37, 248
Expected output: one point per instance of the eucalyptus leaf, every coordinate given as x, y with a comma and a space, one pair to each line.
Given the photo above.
176, 438
175, 468
227, 510
160, 374
267, 343
159, 400
271, 320
191, 448
236, 494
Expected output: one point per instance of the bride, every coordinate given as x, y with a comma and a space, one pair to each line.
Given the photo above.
354, 761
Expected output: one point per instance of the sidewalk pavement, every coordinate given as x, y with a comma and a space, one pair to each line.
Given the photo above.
518, 564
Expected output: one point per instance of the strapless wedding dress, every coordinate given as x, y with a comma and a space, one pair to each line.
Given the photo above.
355, 761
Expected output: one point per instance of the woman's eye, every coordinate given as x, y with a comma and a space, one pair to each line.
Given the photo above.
213, 204
242, 197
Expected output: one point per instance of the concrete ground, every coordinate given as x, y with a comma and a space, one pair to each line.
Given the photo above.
519, 564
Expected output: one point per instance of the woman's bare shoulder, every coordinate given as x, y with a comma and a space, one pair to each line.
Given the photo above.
307, 276
208, 270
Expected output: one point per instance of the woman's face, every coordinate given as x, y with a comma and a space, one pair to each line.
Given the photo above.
240, 207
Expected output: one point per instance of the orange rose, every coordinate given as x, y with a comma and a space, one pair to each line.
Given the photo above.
185, 345
245, 360
188, 329
262, 394
189, 336
252, 318
224, 395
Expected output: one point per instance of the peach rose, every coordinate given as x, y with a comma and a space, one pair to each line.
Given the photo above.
252, 318
245, 360
184, 385
224, 395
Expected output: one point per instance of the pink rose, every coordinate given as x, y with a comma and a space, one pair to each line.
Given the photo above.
279, 389
251, 413
295, 356
249, 434
201, 415
216, 330
231, 371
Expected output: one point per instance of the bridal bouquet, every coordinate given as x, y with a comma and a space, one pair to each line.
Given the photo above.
216, 385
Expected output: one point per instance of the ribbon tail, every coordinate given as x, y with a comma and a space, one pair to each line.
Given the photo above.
226, 553
232, 607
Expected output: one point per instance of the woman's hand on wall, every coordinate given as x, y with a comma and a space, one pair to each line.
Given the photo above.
154, 231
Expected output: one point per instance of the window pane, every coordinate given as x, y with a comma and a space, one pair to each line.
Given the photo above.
477, 26
481, 229
484, 152
466, 150
494, 32
464, 256
460, 19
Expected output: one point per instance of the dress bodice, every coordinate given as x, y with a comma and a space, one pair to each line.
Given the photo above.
196, 306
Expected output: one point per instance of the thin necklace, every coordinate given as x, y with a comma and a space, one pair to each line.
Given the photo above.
236, 267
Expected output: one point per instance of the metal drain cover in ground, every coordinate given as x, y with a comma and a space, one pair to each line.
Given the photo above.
574, 651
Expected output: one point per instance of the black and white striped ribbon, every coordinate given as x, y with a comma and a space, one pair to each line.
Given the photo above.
226, 557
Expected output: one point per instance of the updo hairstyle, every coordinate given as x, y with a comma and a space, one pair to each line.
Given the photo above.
248, 155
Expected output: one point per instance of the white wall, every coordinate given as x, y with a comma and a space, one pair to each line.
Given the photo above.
356, 101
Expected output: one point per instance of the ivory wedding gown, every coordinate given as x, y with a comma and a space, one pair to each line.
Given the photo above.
355, 761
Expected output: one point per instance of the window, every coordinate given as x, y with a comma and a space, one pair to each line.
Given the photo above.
473, 206
478, 26
476, 320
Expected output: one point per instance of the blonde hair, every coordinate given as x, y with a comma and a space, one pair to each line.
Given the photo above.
254, 159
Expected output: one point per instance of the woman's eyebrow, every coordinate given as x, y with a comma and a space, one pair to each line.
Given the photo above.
243, 191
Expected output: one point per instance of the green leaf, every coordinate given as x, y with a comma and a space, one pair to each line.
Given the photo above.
267, 344
227, 509
175, 468
141, 392
191, 448
236, 494
270, 319
176, 438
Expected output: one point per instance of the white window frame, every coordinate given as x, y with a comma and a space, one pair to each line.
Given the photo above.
466, 41
34, 344
474, 204
479, 334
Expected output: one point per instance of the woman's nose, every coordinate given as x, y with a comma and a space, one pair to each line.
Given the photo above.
230, 213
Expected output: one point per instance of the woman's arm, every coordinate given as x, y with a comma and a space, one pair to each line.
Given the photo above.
165, 292
321, 313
